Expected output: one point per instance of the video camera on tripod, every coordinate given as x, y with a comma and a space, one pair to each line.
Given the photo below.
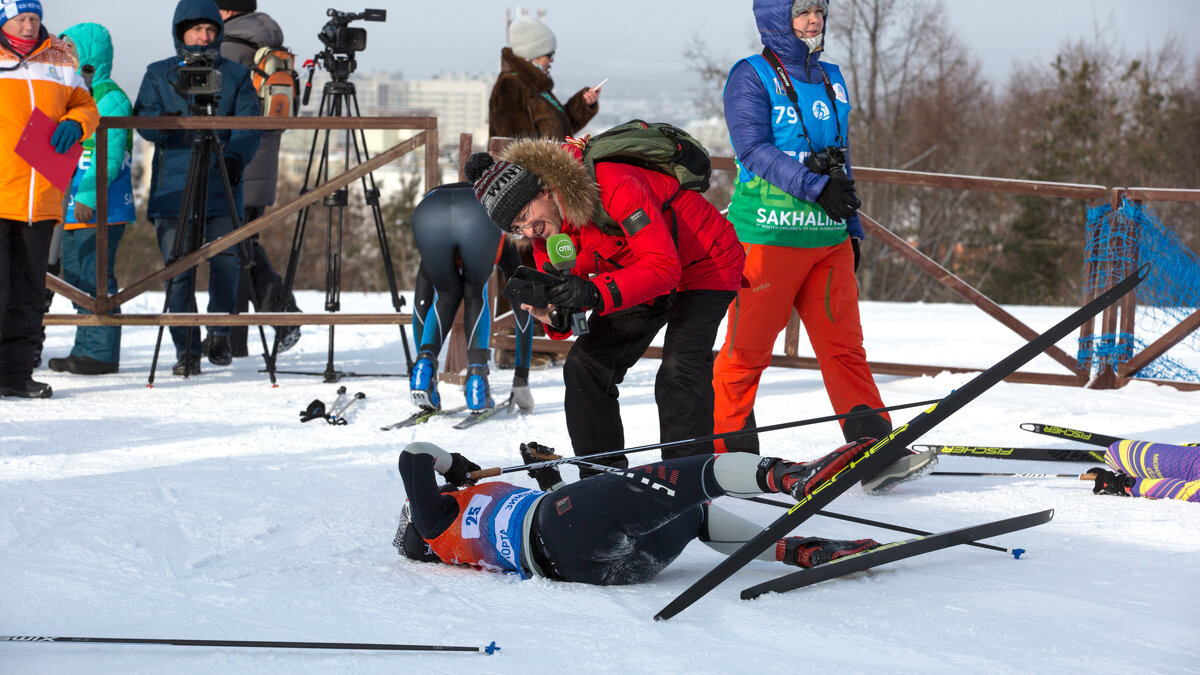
341, 42
338, 36
198, 75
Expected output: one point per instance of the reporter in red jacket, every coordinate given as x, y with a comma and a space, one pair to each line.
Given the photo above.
675, 261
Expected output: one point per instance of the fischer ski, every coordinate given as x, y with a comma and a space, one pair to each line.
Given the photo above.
422, 416
893, 446
896, 551
1040, 454
1089, 437
476, 417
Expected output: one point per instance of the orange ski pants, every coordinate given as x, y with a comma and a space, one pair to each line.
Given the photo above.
819, 284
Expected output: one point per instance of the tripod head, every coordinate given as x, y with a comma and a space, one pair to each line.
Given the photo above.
341, 41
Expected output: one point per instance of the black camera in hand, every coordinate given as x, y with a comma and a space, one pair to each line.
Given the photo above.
828, 161
839, 198
529, 287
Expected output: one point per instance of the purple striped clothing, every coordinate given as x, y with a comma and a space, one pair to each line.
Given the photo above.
1163, 471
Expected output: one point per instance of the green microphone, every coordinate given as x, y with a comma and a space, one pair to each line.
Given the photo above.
561, 251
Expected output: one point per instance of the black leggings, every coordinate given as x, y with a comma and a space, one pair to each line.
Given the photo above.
458, 245
623, 526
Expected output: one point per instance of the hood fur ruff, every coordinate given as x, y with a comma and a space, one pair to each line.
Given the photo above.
560, 170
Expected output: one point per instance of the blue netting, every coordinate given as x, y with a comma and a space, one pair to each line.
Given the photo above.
1120, 242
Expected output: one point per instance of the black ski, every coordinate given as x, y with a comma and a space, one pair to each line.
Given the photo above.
1074, 434
487, 414
893, 446
999, 452
1089, 437
422, 416
896, 551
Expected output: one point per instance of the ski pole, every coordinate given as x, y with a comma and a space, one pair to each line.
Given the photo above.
1080, 476
339, 416
339, 401
558, 459
1016, 552
489, 649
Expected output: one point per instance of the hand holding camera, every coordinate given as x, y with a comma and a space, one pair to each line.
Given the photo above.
839, 198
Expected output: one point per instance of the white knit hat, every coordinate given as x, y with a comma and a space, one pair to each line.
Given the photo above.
530, 38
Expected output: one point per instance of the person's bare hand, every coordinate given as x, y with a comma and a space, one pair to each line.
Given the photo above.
590, 96
539, 313
84, 213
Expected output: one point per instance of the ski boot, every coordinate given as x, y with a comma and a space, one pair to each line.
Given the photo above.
911, 466
813, 551
521, 396
476, 390
423, 382
799, 478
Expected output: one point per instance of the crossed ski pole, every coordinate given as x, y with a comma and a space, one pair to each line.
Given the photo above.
336, 413
557, 459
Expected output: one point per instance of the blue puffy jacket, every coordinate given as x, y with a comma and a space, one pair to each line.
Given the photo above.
172, 151
748, 109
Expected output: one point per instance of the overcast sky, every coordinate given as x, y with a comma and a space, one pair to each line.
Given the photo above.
628, 41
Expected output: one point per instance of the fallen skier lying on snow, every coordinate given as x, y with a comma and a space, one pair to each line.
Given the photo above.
619, 527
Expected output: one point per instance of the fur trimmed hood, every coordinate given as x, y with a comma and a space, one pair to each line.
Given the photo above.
559, 168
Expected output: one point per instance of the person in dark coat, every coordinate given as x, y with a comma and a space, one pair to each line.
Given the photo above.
197, 27
522, 104
246, 31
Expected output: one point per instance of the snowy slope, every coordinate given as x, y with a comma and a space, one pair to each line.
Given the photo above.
204, 510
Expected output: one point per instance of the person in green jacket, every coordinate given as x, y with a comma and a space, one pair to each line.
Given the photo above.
97, 349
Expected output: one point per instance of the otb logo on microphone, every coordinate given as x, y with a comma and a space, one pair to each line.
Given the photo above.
564, 248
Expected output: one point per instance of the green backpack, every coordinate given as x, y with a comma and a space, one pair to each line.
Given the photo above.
656, 146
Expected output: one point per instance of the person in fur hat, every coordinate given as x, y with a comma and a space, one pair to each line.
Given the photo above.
673, 260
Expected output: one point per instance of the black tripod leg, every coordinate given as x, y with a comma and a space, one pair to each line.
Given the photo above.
244, 246
371, 191
182, 231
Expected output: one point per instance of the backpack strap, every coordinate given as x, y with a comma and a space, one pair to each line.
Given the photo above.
239, 40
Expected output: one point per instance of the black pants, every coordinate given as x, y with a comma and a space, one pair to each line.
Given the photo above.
260, 283
683, 391
24, 249
623, 526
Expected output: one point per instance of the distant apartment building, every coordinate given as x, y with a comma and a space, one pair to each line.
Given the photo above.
458, 101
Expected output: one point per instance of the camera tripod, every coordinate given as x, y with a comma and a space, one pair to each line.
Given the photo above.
338, 99
190, 229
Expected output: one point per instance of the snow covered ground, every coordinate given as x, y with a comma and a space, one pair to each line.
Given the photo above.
203, 509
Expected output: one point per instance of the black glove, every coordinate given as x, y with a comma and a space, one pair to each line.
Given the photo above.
1111, 482
857, 254
560, 319
546, 477
838, 198
460, 466
234, 168
574, 291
